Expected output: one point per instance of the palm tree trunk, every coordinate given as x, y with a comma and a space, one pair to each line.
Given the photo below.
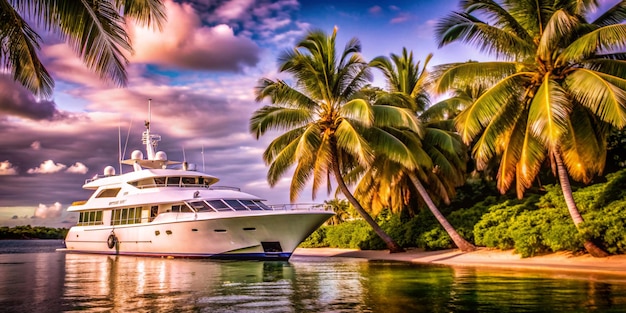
392, 245
591, 247
459, 241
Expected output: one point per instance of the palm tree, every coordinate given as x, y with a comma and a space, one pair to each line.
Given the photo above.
95, 29
559, 87
437, 151
330, 127
343, 211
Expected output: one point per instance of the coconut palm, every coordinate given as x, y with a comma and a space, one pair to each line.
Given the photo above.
437, 151
558, 86
330, 126
95, 29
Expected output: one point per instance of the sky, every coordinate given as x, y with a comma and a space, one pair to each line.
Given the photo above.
200, 72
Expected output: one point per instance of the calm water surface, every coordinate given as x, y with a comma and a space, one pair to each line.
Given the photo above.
35, 278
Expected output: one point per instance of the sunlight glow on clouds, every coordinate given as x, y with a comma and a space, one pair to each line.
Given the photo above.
186, 43
6, 168
78, 168
47, 167
44, 211
36, 145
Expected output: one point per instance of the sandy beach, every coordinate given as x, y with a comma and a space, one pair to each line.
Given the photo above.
483, 257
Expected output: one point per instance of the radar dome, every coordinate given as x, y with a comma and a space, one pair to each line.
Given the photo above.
161, 156
109, 171
137, 155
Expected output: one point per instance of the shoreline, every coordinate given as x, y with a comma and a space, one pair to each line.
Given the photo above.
484, 258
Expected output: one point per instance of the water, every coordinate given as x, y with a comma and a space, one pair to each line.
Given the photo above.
35, 278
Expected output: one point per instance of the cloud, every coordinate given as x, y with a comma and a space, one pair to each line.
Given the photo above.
47, 167
233, 9
6, 168
36, 145
44, 211
18, 101
375, 9
400, 18
186, 43
78, 168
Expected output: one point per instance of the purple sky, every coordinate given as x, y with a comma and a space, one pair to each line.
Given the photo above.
200, 72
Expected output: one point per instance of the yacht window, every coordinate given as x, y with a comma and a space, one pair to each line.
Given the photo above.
219, 205
262, 205
180, 208
126, 216
189, 180
200, 206
236, 205
108, 193
90, 218
251, 205
173, 181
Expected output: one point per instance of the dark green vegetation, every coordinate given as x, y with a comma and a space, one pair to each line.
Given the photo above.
29, 232
536, 224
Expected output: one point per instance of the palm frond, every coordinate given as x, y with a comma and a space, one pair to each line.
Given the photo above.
473, 119
473, 74
466, 28
607, 65
301, 175
560, 26
608, 38
499, 14
277, 118
18, 52
359, 110
389, 116
144, 12
281, 93
548, 113
596, 91
614, 15
281, 161
583, 147
532, 154
323, 160
350, 141
512, 143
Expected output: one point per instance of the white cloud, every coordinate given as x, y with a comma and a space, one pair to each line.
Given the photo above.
6, 168
77, 168
47, 167
36, 145
44, 211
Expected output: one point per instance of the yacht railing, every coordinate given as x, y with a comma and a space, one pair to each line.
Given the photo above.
299, 207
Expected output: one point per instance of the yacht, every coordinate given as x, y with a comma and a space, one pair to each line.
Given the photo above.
164, 208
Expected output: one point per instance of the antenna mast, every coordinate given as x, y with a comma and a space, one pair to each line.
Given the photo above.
151, 141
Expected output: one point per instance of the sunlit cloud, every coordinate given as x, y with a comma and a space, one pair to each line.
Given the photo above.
44, 211
36, 145
47, 167
78, 168
188, 44
6, 168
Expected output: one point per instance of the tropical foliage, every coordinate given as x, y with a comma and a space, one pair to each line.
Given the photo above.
557, 91
438, 154
94, 29
330, 126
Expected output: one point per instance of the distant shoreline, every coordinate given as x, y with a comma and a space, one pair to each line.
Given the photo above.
484, 257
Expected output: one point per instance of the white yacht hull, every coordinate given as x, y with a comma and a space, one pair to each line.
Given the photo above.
231, 235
